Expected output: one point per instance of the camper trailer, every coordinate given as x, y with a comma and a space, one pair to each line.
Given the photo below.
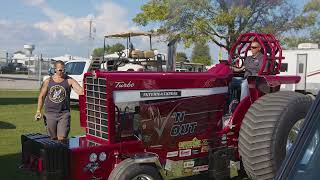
303, 62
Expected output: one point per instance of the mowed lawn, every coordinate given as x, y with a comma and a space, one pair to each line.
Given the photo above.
17, 109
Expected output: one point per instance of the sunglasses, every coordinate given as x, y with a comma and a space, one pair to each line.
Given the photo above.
254, 47
60, 70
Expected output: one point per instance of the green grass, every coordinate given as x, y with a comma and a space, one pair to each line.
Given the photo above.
17, 109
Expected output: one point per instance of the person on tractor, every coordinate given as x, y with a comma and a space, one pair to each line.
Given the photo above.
251, 67
252, 64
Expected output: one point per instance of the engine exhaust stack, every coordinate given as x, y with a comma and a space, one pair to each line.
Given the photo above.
172, 54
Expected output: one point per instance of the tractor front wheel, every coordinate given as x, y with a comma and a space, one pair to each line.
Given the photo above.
266, 130
128, 169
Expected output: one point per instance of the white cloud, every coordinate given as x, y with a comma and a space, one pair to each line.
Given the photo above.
109, 18
62, 33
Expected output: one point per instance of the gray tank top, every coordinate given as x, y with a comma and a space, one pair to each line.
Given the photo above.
58, 96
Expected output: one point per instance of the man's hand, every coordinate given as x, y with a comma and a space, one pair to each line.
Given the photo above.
237, 69
38, 116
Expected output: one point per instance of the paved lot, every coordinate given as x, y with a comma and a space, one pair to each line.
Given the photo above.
18, 82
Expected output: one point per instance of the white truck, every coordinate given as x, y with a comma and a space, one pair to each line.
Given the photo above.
305, 62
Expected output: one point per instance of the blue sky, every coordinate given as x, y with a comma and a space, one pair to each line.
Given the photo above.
59, 27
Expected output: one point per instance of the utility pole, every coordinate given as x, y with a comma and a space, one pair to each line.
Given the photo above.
40, 70
90, 37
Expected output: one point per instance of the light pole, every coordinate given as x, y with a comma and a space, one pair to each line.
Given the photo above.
40, 69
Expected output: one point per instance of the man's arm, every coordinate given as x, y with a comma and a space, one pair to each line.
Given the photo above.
42, 94
41, 97
76, 86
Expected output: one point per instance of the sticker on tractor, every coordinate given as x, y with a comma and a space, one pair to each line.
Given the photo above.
205, 142
149, 94
194, 143
185, 152
188, 164
168, 165
172, 154
205, 149
200, 168
195, 151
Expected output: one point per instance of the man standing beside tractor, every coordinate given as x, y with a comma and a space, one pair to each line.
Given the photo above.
56, 92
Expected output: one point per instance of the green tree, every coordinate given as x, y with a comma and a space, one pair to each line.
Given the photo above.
200, 54
181, 57
98, 52
311, 33
115, 48
222, 21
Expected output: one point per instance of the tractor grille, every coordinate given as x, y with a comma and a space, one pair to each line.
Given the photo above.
96, 104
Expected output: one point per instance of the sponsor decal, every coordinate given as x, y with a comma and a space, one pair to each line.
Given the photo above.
195, 151
185, 153
168, 165
200, 168
234, 168
194, 143
205, 142
187, 170
149, 94
172, 154
122, 84
188, 164
205, 149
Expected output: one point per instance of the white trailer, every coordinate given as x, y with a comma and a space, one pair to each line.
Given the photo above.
305, 62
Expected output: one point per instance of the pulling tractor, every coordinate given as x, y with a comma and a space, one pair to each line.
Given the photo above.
167, 125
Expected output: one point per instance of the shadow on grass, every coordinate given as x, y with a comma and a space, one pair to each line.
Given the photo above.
16, 101
10, 168
6, 125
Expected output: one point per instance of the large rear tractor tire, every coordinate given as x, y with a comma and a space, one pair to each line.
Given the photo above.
265, 132
128, 169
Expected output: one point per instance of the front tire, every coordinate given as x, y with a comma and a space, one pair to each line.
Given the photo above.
265, 129
129, 170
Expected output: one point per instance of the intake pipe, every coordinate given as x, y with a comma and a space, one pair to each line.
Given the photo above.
171, 62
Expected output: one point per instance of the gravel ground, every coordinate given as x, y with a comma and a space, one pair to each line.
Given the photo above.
18, 82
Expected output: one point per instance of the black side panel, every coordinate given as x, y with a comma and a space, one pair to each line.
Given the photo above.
54, 155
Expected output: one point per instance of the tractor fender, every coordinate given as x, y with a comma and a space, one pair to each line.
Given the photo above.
270, 83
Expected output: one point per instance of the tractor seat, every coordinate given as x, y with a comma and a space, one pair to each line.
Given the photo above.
148, 54
137, 54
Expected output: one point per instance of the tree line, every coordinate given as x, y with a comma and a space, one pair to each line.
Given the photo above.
222, 21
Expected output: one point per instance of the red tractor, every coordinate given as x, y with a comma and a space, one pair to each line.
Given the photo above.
167, 125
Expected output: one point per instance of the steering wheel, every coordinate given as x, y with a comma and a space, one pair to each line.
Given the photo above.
237, 61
